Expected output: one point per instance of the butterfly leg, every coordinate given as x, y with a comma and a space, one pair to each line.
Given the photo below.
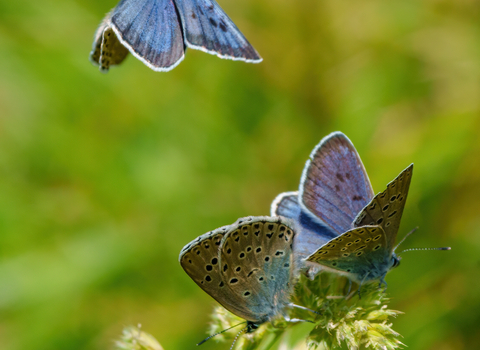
293, 320
382, 281
360, 285
349, 286
304, 308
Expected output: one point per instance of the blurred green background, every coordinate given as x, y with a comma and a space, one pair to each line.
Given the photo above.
104, 178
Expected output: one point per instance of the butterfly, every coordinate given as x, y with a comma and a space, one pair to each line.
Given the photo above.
157, 32
246, 267
341, 225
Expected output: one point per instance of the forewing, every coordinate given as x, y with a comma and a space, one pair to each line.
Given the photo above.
256, 264
357, 252
200, 260
334, 185
150, 29
208, 28
386, 208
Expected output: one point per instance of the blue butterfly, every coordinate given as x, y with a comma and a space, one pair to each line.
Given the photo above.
340, 224
157, 32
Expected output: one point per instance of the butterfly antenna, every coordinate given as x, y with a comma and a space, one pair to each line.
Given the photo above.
441, 248
211, 336
236, 337
403, 239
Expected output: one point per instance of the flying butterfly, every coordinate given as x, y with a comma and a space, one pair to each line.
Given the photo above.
246, 267
157, 32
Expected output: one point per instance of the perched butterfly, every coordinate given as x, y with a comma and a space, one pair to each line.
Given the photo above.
158, 32
246, 267
336, 210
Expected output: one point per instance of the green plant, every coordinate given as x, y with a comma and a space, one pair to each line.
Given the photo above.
345, 322
133, 338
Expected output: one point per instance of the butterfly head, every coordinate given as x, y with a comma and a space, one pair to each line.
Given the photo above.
252, 326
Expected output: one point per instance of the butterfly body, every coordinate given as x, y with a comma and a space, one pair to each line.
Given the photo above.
157, 32
246, 267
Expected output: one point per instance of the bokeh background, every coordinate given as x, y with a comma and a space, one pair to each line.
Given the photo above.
105, 177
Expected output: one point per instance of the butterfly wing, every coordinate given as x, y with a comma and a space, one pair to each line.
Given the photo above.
107, 50
200, 260
256, 265
311, 233
360, 253
150, 30
334, 185
286, 205
386, 208
208, 28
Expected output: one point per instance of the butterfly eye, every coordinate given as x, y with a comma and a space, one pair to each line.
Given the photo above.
396, 262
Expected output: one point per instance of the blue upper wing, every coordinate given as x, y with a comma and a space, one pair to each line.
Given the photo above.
151, 30
208, 28
334, 185
311, 233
